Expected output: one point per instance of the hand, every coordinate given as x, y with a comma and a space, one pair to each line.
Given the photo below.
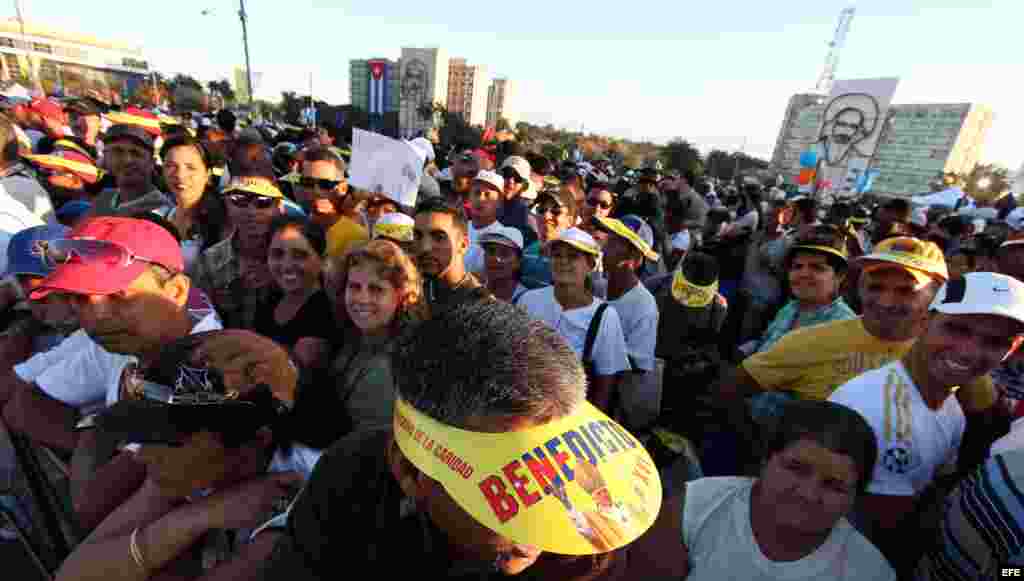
246, 358
311, 352
250, 503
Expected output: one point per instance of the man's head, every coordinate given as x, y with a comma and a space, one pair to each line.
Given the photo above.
503, 253
976, 321
557, 211
323, 187
85, 119
515, 171
487, 196
893, 219
464, 169
898, 281
128, 150
628, 243
26, 263
252, 204
492, 426
124, 278
441, 239
251, 158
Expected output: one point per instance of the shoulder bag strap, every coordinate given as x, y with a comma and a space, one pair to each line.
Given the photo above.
595, 326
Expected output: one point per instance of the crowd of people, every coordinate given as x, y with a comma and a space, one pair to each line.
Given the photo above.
551, 369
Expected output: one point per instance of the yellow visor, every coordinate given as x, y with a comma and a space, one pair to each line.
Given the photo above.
617, 227
579, 485
400, 232
260, 187
692, 295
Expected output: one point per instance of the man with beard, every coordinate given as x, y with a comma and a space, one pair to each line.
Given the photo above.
128, 307
441, 240
234, 272
129, 150
898, 282
975, 321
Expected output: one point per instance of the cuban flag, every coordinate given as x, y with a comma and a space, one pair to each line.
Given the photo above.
378, 87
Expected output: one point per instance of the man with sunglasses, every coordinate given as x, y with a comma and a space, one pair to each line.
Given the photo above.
124, 280
234, 271
324, 193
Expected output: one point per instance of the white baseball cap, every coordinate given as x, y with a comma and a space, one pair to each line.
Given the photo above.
982, 293
490, 177
504, 235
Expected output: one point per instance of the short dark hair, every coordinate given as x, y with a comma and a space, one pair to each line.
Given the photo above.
487, 358
833, 426
700, 268
325, 154
443, 206
226, 120
313, 232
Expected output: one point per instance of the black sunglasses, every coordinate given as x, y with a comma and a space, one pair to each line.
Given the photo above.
245, 200
511, 174
599, 203
553, 209
323, 184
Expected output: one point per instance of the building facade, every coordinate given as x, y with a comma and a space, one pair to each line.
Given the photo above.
467, 91
70, 64
423, 82
501, 103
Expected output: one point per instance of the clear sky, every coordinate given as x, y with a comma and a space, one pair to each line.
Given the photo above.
716, 73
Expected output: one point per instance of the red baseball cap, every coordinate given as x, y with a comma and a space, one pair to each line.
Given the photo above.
46, 108
105, 254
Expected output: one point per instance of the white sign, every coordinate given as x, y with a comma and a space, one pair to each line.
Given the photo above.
851, 123
385, 165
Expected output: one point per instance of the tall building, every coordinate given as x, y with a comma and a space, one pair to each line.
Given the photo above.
917, 142
467, 90
424, 82
69, 63
501, 103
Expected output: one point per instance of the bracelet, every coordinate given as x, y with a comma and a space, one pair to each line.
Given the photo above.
136, 552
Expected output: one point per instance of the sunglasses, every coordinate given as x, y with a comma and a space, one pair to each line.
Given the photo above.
553, 209
323, 184
511, 174
599, 203
85, 251
245, 200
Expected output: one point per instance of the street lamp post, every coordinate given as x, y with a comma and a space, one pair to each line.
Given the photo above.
245, 41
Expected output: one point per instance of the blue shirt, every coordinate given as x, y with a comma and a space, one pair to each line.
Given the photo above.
791, 316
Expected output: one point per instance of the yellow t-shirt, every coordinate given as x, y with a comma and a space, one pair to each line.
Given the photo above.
812, 362
343, 235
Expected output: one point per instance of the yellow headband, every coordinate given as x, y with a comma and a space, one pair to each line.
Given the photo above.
257, 186
401, 232
692, 295
579, 485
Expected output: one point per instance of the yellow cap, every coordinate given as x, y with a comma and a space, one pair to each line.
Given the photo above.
921, 258
258, 186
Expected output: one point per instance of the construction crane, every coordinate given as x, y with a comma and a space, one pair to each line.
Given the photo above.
828, 74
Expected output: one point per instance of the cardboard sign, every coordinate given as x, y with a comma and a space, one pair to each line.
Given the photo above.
385, 165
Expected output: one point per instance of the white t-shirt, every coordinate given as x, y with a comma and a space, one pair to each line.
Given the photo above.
609, 354
638, 313
81, 373
14, 217
914, 441
475, 254
722, 547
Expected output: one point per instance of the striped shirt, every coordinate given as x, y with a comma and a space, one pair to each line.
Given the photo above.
983, 526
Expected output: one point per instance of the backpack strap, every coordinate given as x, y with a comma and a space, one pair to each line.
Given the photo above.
595, 326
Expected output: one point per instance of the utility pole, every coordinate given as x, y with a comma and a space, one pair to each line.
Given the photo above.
245, 42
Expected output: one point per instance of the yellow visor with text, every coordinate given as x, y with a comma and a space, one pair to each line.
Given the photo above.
692, 295
579, 485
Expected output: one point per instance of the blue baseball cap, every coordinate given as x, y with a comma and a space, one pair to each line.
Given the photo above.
23, 257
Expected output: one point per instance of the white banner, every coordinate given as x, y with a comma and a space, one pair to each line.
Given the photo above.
385, 165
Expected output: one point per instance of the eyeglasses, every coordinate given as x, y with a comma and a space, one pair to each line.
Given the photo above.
323, 184
245, 200
88, 251
553, 209
599, 203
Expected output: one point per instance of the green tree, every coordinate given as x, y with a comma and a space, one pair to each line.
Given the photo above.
182, 80
680, 155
